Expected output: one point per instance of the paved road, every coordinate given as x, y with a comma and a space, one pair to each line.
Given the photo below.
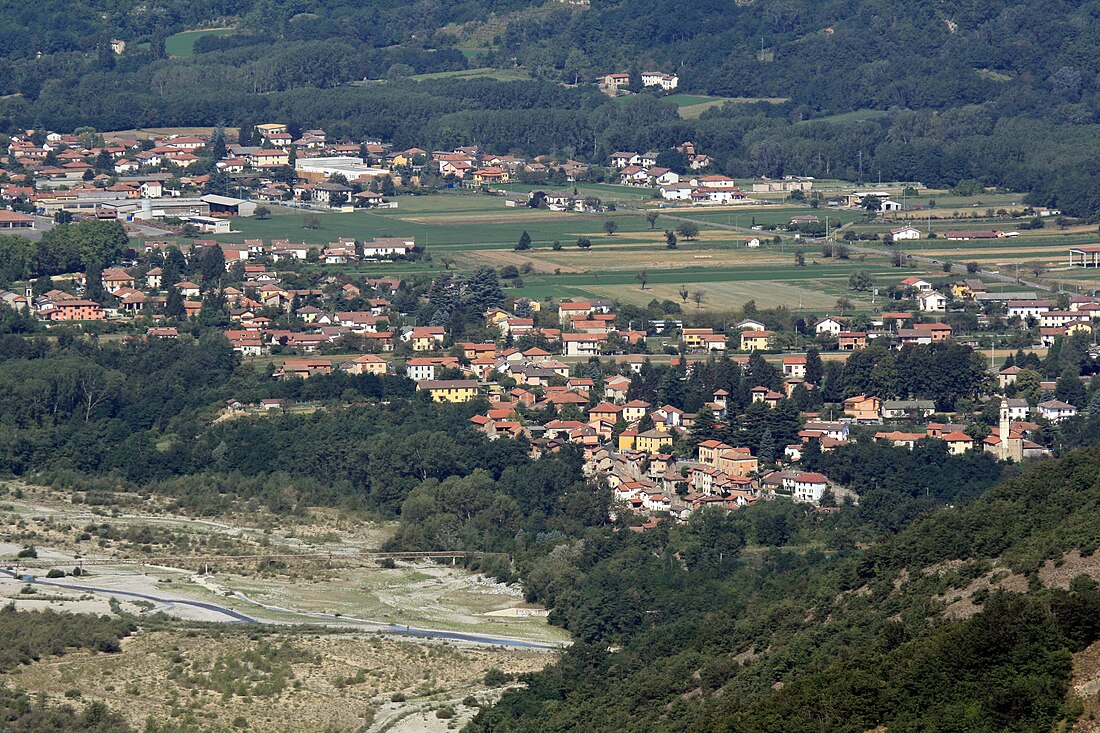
233, 616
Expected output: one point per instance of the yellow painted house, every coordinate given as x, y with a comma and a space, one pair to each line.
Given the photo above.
653, 441
369, 364
426, 338
693, 337
491, 175
627, 439
450, 390
407, 157
961, 291
756, 340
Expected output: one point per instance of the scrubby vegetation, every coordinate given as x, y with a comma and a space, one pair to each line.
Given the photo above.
27, 637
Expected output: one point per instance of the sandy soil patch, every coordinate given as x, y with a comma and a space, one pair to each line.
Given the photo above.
960, 602
1059, 575
1086, 686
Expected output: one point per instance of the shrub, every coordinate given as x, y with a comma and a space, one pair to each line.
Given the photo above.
495, 677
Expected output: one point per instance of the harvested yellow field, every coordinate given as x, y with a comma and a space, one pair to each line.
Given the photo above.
727, 295
633, 258
501, 257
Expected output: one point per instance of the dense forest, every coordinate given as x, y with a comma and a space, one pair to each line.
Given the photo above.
940, 94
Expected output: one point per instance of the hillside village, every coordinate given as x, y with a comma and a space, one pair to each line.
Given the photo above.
550, 372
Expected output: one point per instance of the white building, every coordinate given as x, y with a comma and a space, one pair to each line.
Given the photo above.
1018, 409
676, 192
932, 302
830, 326
381, 247
1056, 410
581, 344
794, 366
419, 370
353, 169
1028, 308
808, 488
660, 79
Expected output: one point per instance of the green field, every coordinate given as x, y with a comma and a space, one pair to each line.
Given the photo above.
473, 54
814, 288
687, 100
482, 73
693, 105
182, 44
768, 216
603, 191
464, 230
858, 115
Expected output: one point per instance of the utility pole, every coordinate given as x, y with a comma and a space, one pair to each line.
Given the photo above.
861, 166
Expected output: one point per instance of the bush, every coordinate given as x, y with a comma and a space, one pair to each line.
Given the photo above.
55, 573
495, 677
398, 697
28, 552
445, 712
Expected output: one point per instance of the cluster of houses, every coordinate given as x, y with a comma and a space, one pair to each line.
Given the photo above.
641, 169
476, 168
132, 179
639, 448
1077, 314
138, 291
644, 451
696, 187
